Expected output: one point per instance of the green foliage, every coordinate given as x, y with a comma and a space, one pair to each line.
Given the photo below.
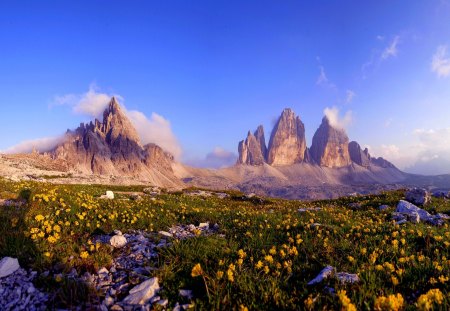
262, 257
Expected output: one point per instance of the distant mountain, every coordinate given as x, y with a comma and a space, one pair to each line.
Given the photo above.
287, 146
113, 147
110, 152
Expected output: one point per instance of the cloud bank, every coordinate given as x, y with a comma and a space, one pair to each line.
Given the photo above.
428, 152
335, 120
218, 158
41, 144
441, 62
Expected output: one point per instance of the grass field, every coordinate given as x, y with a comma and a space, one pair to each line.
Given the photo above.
262, 259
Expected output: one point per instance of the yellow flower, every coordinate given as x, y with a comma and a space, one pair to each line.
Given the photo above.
394, 280
268, 258
351, 259
241, 254
266, 269
51, 239
219, 275
39, 217
426, 301
196, 270
309, 303
84, 255
230, 275
390, 303
259, 264
346, 303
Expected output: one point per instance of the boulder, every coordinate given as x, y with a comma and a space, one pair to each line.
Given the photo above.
324, 274
415, 214
118, 241
418, 196
142, 293
8, 266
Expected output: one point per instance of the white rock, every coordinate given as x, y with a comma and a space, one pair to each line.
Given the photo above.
203, 225
418, 196
163, 302
345, 277
413, 212
186, 293
118, 241
142, 293
324, 274
8, 266
165, 233
109, 195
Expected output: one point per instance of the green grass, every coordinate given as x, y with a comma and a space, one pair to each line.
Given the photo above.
407, 260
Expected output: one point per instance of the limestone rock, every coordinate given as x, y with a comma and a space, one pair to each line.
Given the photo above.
261, 139
415, 214
287, 143
418, 196
118, 241
330, 146
113, 147
324, 274
8, 266
357, 155
142, 293
250, 151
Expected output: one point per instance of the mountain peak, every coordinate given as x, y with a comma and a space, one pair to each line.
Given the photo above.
287, 143
116, 124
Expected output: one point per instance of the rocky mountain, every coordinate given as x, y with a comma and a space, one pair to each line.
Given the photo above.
287, 146
330, 146
113, 147
287, 143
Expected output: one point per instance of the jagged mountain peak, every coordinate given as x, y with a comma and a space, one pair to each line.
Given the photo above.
287, 143
116, 125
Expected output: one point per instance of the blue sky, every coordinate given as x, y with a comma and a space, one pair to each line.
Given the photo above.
215, 69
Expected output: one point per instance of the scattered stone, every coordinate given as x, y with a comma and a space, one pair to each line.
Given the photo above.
17, 292
186, 293
118, 241
312, 209
418, 196
324, 274
355, 206
142, 293
163, 303
8, 266
153, 191
135, 197
166, 234
412, 213
330, 271
109, 195
383, 207
345, 277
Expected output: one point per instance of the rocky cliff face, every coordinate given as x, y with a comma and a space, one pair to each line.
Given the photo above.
330, 146
252, 150
112, 147
287, 143
357, 155
363, 158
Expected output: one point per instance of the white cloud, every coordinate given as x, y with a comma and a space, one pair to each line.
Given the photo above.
380, 38
391, 50
335, 120
427, 152
155, 129
349, 96
218, 158
323, 80
441, 62
92, 103
41, 144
